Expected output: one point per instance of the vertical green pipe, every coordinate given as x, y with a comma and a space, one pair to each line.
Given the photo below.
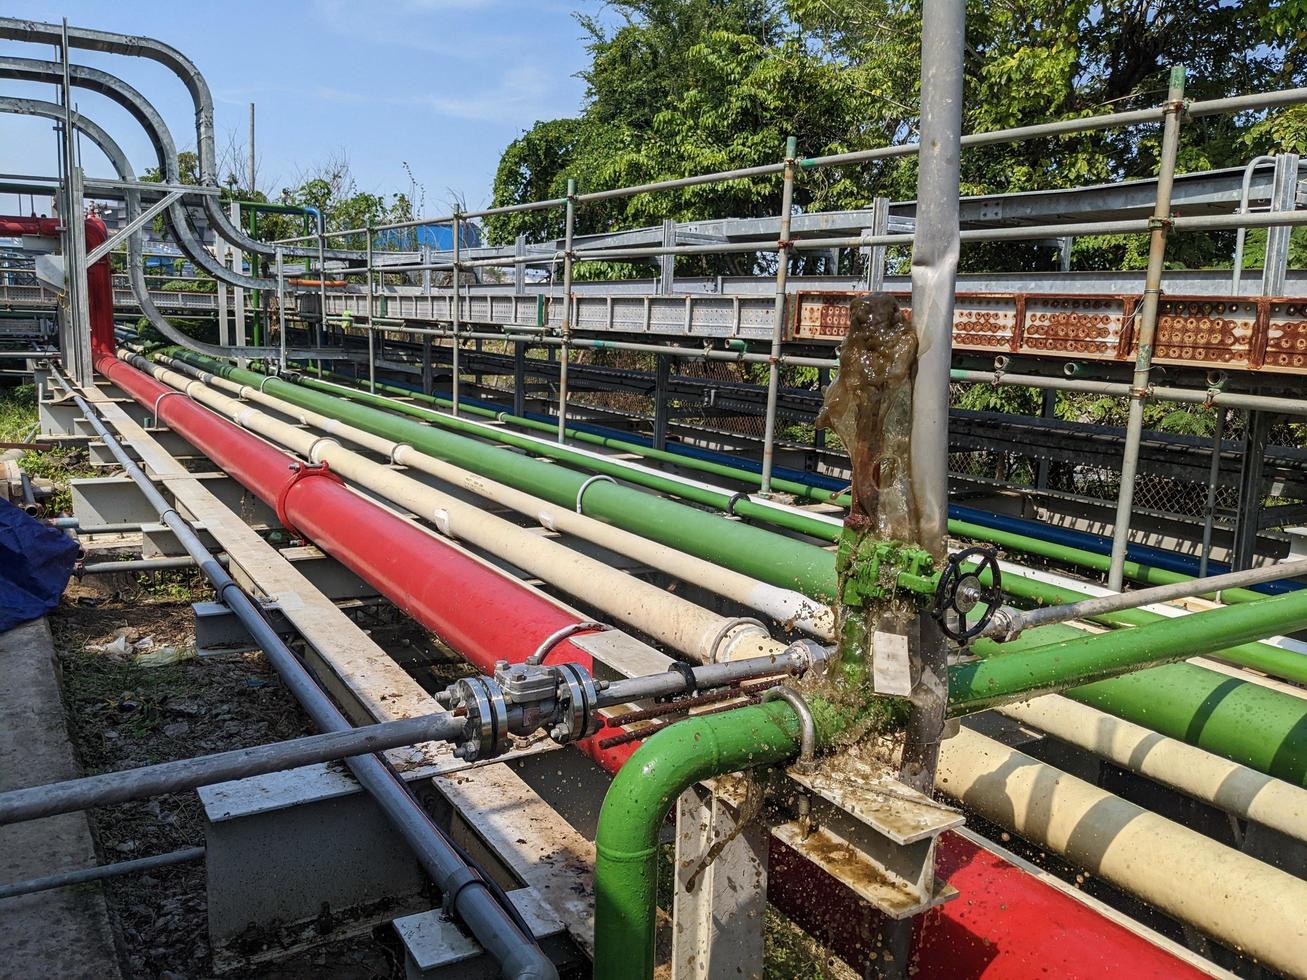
642, 794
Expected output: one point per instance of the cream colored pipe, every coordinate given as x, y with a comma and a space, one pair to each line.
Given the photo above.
787, 606
680, 624
1237, 900
1226, 785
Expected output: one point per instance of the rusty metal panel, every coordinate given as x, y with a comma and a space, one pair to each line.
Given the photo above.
1286, 336
1204, 331
986, 321
1074, 326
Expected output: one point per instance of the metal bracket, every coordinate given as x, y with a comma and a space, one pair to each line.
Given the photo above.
874, 833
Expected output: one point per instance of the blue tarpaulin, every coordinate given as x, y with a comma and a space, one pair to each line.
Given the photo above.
36, 561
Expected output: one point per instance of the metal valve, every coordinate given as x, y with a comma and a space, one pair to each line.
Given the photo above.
960, 591
521, 699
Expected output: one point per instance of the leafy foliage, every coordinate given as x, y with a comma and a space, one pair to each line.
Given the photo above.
680, 87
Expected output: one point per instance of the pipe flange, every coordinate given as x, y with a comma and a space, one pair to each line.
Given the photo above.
808, 725
727, 626
578, 704
487, 717
580, 491
559, 635
300, 471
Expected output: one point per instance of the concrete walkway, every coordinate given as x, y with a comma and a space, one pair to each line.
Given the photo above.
64, 932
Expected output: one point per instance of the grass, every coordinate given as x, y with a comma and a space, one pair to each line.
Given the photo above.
18, 414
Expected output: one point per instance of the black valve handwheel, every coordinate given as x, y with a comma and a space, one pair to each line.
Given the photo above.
959, 592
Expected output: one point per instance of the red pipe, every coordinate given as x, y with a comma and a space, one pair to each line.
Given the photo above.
99, 278
474, 608
1007, 924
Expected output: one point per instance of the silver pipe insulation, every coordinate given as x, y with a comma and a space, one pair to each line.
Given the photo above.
517, 953
131, 197
1009, 623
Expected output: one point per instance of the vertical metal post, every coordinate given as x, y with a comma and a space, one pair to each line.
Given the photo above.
426, 365
876, 253
667, 262
372, 315
1249, 510
455, 310
1284, 197
426, 271
569, 225
519, 377
778, 317
75, 342
1047, 409
237, 292
662, 374
819, 435
1064, 253
251, 151
1160, 225
519, 268
322, 284
281, 305
1213, 481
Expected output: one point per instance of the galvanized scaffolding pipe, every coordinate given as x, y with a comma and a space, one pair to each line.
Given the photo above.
180, 775
1159, 226
454, 310
1011, 622
1161, 393
935, 250
372, 312
778, 317
569, 224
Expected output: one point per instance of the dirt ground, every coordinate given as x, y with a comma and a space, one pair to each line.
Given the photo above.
122, 715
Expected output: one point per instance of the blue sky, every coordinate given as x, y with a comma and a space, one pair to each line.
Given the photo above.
441, 84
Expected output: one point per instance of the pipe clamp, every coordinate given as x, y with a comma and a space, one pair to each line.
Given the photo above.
170, 391
300, 471
727, 626
580, 491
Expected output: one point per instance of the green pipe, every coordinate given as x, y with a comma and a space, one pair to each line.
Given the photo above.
1247, 723
1135, 571
752, 551
1259, 656
642, 794
747, 549
580, 435
1072, 662
707, 496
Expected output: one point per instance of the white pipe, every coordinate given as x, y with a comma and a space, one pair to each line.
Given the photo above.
786, 606
1226, 785
1237, 900
700, 633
